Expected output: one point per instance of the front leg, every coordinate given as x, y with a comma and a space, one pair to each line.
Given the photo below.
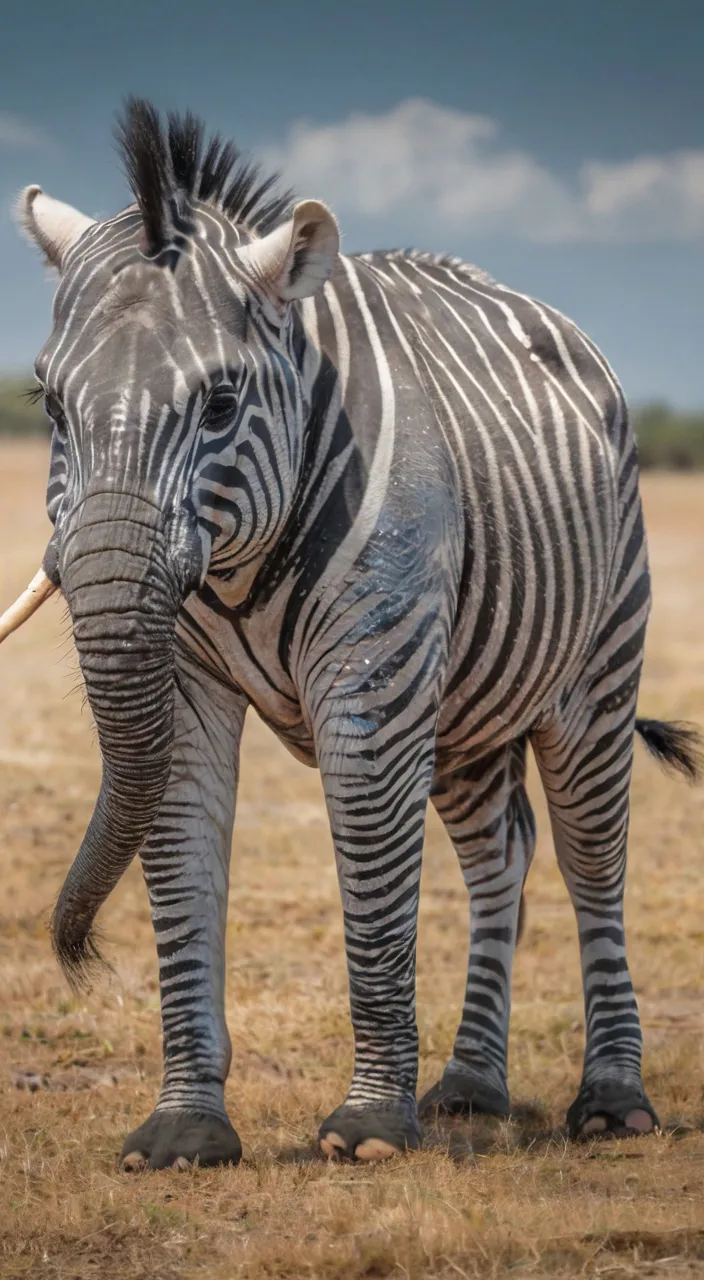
186, 867
376, 754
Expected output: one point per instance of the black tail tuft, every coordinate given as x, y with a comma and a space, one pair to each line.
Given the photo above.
678, 747
76, 947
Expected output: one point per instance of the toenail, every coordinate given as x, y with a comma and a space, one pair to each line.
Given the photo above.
333, 1146
181, 1163
373, 1149
595, 1124
639, 1120
134, 1162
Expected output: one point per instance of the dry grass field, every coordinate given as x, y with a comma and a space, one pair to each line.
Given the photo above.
483, 1200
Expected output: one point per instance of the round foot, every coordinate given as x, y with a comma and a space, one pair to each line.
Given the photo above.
369, 1133
462, 1093
610, 1109
180, 1140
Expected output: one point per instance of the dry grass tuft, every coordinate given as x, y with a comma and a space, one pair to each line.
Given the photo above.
481, 1201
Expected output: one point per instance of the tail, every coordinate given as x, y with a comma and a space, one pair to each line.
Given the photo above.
520, 928
678, 747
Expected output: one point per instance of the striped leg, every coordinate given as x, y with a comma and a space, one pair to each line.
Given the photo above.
377, 795
585, 756
488, 817
186, 864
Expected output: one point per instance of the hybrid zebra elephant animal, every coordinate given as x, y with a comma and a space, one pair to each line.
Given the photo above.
392, 505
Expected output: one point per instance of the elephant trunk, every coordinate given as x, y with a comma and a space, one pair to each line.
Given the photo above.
123, 591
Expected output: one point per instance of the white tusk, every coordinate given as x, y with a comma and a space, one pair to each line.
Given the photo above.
39, 590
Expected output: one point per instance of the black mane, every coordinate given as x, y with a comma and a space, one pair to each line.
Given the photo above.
166, 167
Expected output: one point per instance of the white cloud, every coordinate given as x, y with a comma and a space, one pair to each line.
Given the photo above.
15, 132
448, 171
649, 198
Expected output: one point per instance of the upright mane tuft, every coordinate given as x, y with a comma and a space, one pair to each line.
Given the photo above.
167, 167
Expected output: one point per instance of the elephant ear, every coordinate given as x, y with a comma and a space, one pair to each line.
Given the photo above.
296, 259
53, 226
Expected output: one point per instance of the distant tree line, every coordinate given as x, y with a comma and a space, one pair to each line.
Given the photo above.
667, 439
17, 416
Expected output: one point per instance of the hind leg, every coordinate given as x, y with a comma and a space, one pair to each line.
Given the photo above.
488, 817
585, 755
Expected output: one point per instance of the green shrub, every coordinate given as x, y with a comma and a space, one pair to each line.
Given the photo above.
668, 440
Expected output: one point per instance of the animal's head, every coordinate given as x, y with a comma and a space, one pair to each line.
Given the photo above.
173, 378
171, 372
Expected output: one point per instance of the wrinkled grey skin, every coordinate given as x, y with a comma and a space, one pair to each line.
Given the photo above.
123, 584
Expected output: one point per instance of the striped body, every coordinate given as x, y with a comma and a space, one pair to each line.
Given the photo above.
456, 476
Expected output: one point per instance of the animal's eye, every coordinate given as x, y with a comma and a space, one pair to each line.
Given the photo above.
220, 409
53, 408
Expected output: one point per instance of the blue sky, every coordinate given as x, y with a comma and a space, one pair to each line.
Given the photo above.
560, 146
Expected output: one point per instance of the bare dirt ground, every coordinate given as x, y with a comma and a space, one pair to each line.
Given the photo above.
485, 1199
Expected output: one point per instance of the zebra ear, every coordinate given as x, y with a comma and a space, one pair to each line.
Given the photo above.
296, 259
53, 226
